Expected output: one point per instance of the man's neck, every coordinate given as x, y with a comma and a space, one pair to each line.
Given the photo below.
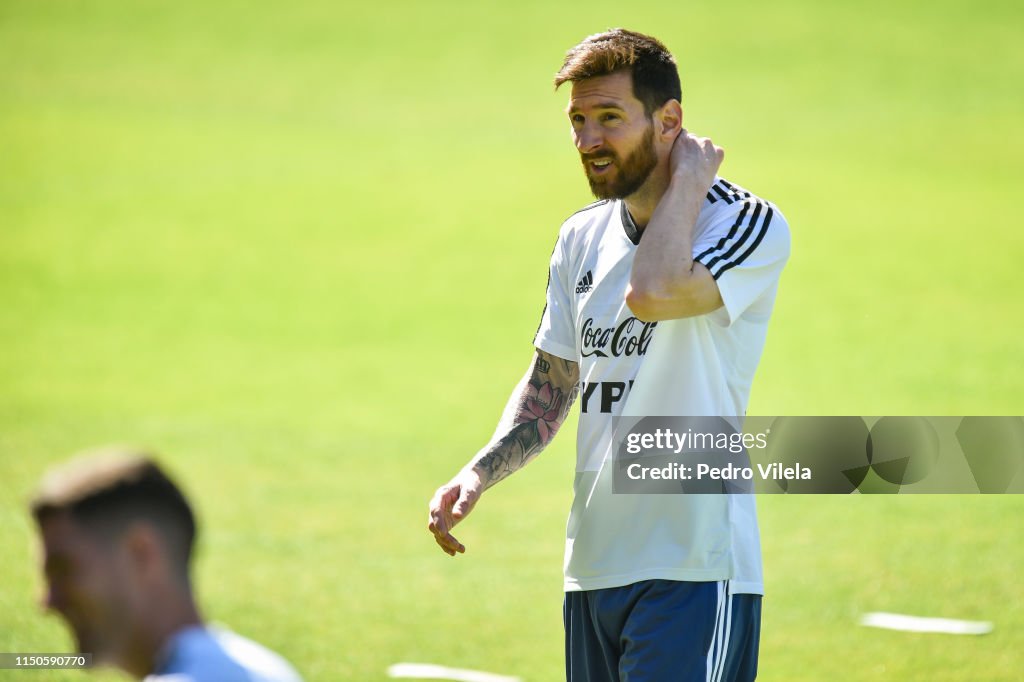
170, 615
641, 203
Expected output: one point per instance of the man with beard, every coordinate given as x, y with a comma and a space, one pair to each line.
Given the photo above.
657, 587
117, 537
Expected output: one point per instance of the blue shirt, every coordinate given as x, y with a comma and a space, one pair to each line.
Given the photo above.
212, 654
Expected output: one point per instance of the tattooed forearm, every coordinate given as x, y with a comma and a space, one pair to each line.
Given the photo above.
543, 365
533, 415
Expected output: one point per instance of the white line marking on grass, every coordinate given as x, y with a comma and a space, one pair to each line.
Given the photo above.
898, 621
428, 671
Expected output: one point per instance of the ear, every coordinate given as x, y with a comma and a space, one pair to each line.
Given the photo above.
669, 120
144, 548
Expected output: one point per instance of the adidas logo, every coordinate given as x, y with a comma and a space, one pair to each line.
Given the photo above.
585, 285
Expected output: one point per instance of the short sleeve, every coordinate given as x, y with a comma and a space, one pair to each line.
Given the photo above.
745, 250
556, 333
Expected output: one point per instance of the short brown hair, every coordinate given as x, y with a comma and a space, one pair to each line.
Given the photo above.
654, 71
106, 490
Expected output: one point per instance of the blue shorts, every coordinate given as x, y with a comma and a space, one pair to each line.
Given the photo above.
662, 631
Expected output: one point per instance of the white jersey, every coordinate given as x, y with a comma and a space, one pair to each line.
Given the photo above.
212, 654
697, 366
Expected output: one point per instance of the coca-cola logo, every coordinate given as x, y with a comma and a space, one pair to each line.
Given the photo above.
631, 337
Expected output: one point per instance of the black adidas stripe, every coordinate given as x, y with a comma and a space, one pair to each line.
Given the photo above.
738, 191
757, 240
725, 191
721, 242
720, 192
736, 242
752, 224
743, 237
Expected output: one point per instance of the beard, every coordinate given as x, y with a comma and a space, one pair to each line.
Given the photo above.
626, 176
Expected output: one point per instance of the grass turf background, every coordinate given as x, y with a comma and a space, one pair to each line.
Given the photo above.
301, 249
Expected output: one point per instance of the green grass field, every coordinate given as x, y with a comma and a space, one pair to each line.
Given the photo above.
301, 249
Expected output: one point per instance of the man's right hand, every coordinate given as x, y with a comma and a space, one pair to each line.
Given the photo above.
533, 414
451, 503
696, 159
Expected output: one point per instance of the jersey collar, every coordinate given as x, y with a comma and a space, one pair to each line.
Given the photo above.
628, 225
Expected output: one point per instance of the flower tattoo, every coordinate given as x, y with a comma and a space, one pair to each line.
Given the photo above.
543, 406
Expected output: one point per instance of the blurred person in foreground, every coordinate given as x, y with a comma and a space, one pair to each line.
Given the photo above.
117, 540
657, 304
